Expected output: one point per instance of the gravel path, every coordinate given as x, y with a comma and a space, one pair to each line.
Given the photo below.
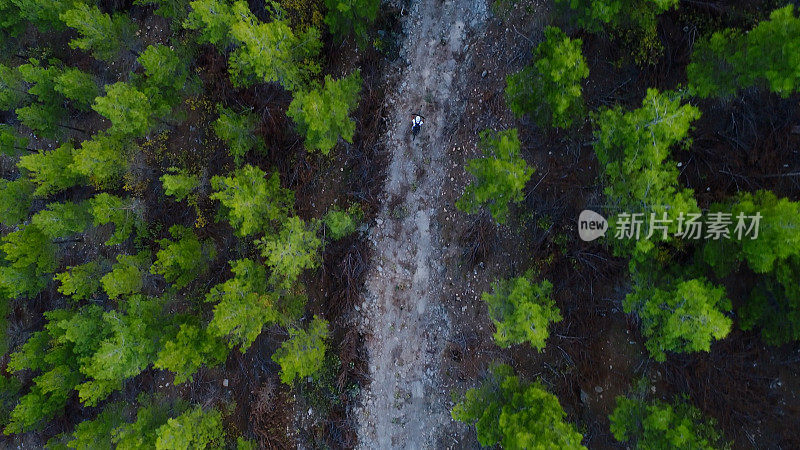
402, 316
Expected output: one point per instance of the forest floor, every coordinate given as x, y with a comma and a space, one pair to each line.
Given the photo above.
403, 317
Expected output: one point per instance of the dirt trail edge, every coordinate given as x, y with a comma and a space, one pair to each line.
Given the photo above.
402, 316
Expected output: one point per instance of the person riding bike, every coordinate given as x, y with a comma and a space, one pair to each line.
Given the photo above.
416, 123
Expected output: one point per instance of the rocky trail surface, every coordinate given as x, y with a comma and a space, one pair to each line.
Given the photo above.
402, 313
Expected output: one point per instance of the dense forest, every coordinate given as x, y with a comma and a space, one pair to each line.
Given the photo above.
188, 190
162, 168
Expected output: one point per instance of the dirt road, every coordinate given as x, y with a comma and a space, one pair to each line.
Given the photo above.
402, 316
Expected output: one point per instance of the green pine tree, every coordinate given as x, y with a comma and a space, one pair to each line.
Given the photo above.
302, 355
515, 414
500, 174
322, 115
105, 36
238, 131
550, 88
522, 311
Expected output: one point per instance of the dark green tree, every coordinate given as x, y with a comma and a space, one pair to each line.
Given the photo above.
522, 311
244, 304
550, 88
50, 170
656, 424
82, 281
238, 131
192, 348
322, 115
253, 201
515, 414
13, 92
60, 220
16, 198
182, 260
346, 17
78, 86
730, 60
303, 354
500, 174
105, 36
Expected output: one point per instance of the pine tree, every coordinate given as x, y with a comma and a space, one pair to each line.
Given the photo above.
193, 429
322, 115
56, 352
13, 92
43, 118
30, 247
341, 223
143, 432
167, 71
21, 281
102, 159
30, 259
132, 112
656, 424
105, 36
107, 208
131, 345
44, 14
41, 79
522, 311
244, 304
347, 17
729, 60
126, 276
50, 170
293, 250
500, 174
178, 183
82, 281
634, 147
252, 200
214, 19
302, 355
271, 52
78, 86
773, 305
96, 434
182, 260
10, 387
11, 21
634, 20
550, 88
238, 131
684, 317
516, 415
60, 220
11, 142
16, 198
192, 348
